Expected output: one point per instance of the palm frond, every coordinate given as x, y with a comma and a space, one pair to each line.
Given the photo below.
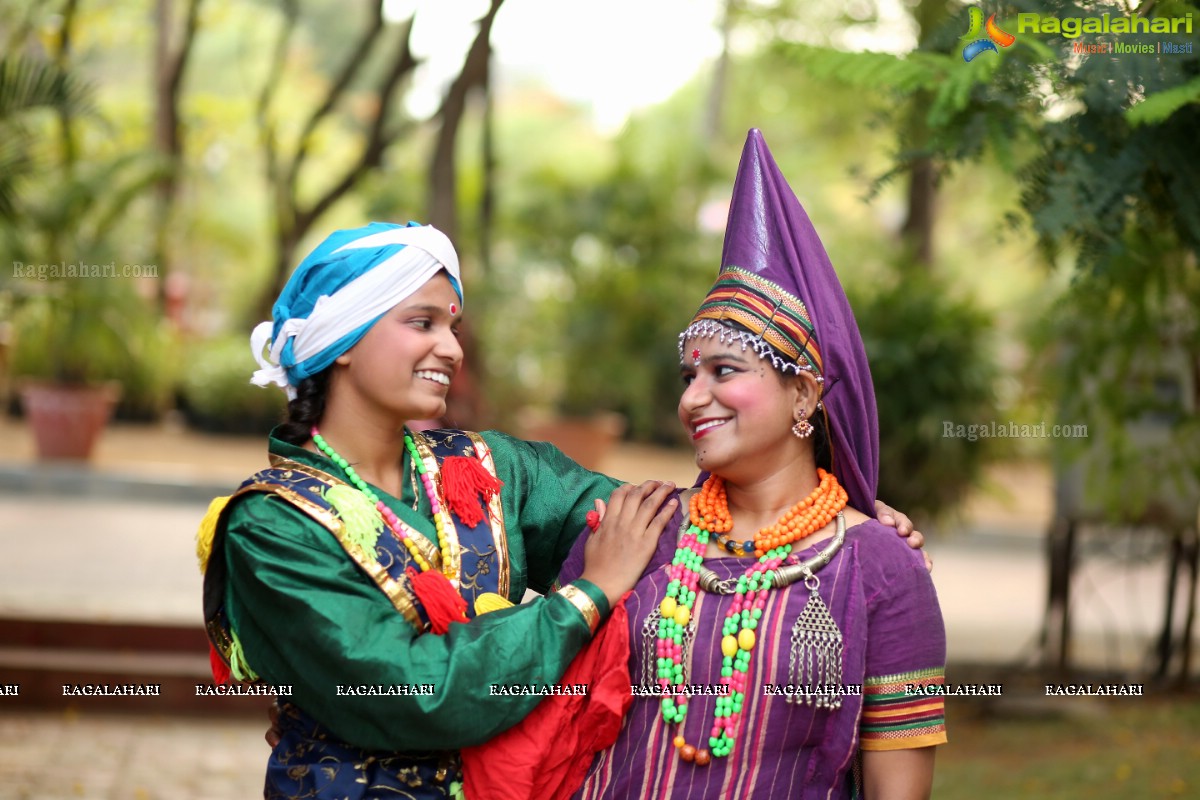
28, 83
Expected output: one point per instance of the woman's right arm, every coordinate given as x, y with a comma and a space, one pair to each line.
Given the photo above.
903, 718
307, 617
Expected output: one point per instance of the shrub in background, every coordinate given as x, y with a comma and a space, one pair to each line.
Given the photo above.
216, 394
932, 362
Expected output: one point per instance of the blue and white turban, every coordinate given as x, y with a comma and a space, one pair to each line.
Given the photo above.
340, 290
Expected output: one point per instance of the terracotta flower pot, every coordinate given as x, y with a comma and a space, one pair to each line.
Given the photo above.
67, 420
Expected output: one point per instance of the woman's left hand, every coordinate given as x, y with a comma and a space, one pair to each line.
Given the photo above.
904, 527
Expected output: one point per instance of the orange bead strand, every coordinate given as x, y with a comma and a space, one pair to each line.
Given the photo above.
710, 510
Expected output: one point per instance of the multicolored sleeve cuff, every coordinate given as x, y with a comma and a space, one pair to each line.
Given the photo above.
905, 711
587, 597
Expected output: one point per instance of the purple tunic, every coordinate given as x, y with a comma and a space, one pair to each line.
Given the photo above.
879, 592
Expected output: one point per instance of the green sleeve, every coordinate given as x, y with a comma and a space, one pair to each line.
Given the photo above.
546, 495
307, 617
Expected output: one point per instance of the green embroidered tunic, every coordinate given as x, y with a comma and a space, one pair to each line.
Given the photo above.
308, 617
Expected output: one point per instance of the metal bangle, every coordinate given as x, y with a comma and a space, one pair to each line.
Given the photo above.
587, 607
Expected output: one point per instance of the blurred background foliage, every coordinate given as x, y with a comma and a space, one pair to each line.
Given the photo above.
1017, 233
932, 362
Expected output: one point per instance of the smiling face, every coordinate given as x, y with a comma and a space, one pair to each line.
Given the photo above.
738, 410
404, 364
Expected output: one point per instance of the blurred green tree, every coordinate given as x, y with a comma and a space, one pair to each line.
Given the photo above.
1103, 147
932, 349
605, 262
78, 323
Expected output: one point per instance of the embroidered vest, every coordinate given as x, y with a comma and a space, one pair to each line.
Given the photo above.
479, 554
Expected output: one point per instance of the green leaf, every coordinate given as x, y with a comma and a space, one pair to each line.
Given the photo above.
1157, 107
871, 70
954, 93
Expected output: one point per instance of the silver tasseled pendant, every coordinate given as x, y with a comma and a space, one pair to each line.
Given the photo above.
649, 675
815, 662
650, 648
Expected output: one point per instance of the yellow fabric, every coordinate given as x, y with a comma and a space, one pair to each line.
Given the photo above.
490, 601
208, 529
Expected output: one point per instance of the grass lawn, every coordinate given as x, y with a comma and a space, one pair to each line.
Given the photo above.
1123, 748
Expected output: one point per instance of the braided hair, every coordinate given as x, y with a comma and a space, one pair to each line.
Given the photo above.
306, 409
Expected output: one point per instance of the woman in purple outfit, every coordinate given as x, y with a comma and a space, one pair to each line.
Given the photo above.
784, 643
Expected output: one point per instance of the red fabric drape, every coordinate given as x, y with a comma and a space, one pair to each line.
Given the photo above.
547, 755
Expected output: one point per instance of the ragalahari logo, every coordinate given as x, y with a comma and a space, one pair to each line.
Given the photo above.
978, 44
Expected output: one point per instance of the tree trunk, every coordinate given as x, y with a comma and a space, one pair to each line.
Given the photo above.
465, 405
918, 229
170, 65
293, 217
714, 109
443, 168
63, 57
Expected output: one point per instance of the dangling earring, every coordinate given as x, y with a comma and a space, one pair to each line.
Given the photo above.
802, 429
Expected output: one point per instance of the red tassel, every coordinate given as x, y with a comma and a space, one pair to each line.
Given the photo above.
463, 481
220, 670
442, 603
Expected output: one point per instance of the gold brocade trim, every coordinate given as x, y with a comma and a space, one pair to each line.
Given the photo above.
395, 591
495, 513
428, 549
454, 568
884, 684
770, 288
220, 638
325, 516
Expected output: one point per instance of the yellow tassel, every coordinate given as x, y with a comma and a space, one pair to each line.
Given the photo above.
361, 519
207, 530
239, 667
490, 601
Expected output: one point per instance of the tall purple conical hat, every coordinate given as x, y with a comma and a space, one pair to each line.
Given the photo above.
776, 281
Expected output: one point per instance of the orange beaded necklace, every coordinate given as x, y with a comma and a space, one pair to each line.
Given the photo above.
803, 519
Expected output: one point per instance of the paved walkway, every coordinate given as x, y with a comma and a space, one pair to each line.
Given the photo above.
69, 755
114, 542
